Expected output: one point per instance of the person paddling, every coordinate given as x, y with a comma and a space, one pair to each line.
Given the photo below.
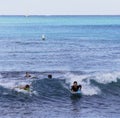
25, 87
27, 75
75, 87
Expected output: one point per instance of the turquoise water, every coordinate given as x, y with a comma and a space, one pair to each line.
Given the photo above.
81, 48
84, 40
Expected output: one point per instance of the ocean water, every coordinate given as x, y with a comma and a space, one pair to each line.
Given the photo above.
77, 48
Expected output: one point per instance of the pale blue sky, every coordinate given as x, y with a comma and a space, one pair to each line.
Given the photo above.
60, 7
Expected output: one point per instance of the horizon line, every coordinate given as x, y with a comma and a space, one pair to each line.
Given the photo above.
61, 15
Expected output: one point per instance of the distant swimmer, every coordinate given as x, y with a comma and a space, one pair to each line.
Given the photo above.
49, 76
75, 87
43, 37
27, 75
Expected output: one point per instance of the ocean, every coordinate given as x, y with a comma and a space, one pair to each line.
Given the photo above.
85, 49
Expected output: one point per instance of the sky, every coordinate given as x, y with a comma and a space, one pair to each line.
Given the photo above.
59, 7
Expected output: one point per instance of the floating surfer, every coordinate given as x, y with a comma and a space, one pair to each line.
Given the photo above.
27, 75
50, 76
75, 88
43, 37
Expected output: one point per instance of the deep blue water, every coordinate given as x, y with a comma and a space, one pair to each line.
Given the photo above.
81, 48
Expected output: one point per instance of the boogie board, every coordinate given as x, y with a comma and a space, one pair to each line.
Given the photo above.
22, 90
76, 93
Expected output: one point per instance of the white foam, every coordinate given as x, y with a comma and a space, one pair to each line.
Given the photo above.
106, 78
12, 83
87, 88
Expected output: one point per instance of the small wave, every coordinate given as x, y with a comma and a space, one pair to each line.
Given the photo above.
88, 88
106, 78
8, 84
91, 82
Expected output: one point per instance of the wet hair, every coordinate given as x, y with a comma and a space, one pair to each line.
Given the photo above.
27, 86
49, 76
75, 82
